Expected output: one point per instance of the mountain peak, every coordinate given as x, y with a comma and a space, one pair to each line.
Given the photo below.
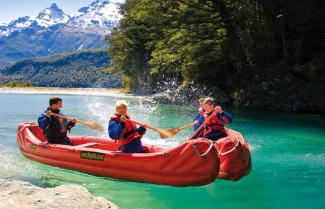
94, 5
54, 6
103, 2
51, 16
99, 3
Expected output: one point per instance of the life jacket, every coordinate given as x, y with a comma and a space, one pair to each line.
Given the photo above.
129, 132
214, 124
56, 128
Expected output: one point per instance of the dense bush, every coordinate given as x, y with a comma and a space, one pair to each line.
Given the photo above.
260, 53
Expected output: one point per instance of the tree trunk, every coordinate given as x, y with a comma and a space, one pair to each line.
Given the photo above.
232, 36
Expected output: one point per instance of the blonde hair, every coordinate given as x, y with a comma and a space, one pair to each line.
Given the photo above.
201, 100
121, 103
208, 100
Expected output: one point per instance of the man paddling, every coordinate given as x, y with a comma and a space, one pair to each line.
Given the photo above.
55, 129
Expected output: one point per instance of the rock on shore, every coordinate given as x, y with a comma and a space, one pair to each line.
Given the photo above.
23, 195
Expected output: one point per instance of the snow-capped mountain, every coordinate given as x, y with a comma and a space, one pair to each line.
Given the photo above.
53, 31
20, 23
51, 16
100, 13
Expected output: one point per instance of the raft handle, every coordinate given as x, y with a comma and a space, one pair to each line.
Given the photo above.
220, 153
203, 155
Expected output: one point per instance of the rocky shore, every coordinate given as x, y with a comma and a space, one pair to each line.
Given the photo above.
23, 195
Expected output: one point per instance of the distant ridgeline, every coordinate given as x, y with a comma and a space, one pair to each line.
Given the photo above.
79, 69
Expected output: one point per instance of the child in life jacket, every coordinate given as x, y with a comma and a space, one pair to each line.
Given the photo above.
214, 128
125, 132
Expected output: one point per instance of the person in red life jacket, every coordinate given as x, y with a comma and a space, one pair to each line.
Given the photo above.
199, 119
55, 129
121, 129
214, 128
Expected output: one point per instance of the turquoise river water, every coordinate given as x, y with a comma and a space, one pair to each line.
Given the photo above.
288, 155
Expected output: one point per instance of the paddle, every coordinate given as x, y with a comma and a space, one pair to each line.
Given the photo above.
90, 124
163, 133
176, 130
202, 125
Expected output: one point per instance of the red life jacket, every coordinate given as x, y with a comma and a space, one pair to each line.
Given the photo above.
129, 132
214, 124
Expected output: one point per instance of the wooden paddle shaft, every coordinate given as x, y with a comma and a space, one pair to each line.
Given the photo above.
203, 124
186, 126
91, 125
156, 129
68, 118
62, 116
144, 125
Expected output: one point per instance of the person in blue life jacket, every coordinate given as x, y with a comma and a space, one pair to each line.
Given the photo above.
54, 128
214, 128
198, 120
125, 132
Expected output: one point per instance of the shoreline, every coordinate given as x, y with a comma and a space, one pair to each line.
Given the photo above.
61, 91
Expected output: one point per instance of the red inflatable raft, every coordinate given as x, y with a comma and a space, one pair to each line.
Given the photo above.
235, 157
193, 163
234, 154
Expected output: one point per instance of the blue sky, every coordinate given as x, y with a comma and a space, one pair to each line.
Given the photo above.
12, 9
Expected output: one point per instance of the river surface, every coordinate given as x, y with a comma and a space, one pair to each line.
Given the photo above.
288, 155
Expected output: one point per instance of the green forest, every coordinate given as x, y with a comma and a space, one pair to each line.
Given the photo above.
83, 69
260, 54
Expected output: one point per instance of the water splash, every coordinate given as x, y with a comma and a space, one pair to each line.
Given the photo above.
172, 91
100, 111
14, 165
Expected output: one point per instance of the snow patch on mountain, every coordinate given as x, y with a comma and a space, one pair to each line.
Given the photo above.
101, 13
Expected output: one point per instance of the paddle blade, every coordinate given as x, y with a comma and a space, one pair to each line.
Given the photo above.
164, 134
173, 131
94, 125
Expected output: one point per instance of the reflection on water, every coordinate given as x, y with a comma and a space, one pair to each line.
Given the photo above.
287, 153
